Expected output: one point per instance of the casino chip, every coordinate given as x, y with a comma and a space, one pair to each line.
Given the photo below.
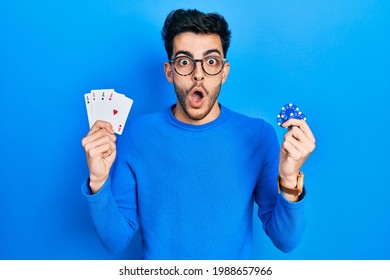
289, 111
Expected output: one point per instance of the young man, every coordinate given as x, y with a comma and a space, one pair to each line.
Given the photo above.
188, 176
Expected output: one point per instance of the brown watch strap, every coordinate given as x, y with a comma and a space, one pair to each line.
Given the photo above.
298, 189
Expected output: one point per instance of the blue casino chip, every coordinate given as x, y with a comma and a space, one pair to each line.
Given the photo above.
289, 111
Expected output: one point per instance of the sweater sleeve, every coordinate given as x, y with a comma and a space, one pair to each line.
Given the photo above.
114, 208
283, 221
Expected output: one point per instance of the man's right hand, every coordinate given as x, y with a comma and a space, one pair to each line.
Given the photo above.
100, 149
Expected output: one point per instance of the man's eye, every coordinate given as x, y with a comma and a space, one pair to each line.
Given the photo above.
183, 62
212, 61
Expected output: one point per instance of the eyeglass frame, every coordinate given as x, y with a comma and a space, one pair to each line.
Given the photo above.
224, 60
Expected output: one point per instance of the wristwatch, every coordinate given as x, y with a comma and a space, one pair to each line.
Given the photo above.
298, 189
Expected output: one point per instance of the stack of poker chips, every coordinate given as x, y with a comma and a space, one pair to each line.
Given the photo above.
289, 111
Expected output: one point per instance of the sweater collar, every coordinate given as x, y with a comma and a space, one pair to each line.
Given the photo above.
196, 127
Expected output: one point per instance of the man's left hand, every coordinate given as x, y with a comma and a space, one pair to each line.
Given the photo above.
298, 144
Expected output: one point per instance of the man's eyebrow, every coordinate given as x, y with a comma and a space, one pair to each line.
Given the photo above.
187, 53
211, 51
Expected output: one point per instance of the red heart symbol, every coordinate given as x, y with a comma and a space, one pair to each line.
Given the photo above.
115, 111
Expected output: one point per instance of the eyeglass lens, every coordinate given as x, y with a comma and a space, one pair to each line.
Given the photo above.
211, 65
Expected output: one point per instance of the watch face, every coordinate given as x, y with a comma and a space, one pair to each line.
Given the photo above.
300, 182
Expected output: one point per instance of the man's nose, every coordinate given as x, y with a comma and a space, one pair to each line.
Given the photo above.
198, 72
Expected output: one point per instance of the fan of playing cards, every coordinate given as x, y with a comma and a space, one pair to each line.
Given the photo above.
108, 105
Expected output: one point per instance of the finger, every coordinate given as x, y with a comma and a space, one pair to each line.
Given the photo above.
101, 125
293, 150
101, 151
303, 149
110, 152
89, 146
297, 134
299, 140
101, 133
302, 124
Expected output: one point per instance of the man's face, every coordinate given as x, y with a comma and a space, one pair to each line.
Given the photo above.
197, 93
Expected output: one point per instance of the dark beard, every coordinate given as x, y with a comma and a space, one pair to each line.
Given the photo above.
183, 94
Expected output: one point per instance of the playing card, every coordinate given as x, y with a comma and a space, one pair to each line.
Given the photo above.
98, 97
108, 105
88, 105
116, 111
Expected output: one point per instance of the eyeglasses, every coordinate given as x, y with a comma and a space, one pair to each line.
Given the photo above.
185, 65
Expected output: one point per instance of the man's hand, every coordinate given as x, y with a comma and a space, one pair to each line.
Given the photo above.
298, 144
100, 150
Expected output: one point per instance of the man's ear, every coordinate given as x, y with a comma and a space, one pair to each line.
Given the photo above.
168, 72
225, 71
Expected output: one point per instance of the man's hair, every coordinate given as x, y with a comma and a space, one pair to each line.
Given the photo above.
179, 21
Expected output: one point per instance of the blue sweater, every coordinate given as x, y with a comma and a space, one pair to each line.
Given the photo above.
191, 189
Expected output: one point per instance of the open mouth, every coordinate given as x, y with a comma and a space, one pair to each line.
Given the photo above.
196, 97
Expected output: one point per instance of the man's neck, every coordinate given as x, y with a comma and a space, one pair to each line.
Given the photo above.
181, 115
